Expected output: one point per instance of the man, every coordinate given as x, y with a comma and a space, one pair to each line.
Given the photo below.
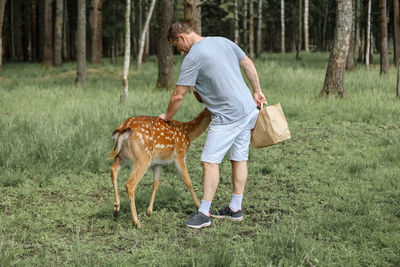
212, 65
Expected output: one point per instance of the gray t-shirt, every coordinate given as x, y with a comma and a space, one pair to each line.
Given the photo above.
212, 66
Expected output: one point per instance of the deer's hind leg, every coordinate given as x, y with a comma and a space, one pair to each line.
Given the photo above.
156, 183
115, 167
139, 168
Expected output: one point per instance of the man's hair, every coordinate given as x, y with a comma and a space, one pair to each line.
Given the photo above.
178, 28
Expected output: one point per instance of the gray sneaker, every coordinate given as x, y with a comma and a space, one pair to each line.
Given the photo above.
226, 212
198, 220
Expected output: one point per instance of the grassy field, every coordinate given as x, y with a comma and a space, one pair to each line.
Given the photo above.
330, 196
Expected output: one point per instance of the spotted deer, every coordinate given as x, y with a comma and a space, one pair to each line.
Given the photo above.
151, 141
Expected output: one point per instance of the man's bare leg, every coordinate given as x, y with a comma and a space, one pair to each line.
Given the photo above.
210, 180
239, 176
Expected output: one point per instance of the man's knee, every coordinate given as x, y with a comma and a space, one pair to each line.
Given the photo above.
242, 163
209, 165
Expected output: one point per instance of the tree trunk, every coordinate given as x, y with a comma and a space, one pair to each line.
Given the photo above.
95, 32
147, 38
251, 29
12, 26
236, 34
371, 50
398, 82
334, 79
19, 43
164, 49
358, 29
28, 31
113, 50
350, 56
2, 8
363, 45
65, 33
81, 42
33, 33
283, 26
133, 22
140, 22
245, 39
127, 56
259, 28
58, 29
396, 32
368, 36
143, 35
306, 40
147, 44
48, 47
113, 36
324, 46
384, 39
299, 34
361, 49
192, 14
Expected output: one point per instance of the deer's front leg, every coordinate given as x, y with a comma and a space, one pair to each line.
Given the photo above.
156, 183
181, 164
115, 166
139, 168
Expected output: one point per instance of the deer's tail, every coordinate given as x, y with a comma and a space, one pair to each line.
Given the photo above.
118, 138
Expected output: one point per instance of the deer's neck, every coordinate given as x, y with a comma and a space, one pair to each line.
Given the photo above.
198, 125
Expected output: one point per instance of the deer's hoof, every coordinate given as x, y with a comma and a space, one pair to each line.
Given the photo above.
116, 211
138, 225
149, 212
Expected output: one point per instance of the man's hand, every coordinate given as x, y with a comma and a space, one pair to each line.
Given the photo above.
259, 98
164, 117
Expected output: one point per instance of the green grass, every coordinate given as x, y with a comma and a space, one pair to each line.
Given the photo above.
329, 196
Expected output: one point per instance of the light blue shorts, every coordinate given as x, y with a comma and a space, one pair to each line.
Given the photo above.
234, 137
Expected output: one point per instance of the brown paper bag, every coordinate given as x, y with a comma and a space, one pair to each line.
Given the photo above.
271, 127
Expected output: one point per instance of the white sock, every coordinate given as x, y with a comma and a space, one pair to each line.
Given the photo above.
236, 202
205, 207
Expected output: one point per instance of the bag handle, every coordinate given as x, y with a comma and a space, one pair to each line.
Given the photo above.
262, 105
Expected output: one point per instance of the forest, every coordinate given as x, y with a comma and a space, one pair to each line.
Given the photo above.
47, 31
71, 71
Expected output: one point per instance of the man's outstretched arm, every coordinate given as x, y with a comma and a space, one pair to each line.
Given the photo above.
175, 102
